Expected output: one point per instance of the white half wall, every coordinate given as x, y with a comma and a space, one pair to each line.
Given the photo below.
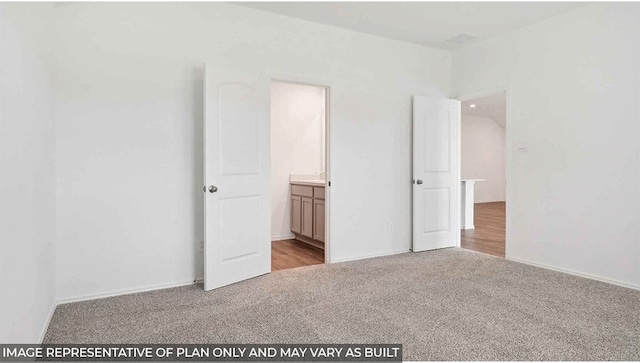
483, 157
27, 169
129, 132
297, 128
573, 94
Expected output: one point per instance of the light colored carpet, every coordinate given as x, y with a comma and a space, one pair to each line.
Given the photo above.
449, 304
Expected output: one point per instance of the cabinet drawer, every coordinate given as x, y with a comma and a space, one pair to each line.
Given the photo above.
302, 190
318, 192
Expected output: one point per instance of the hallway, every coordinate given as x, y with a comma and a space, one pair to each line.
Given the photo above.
489, 234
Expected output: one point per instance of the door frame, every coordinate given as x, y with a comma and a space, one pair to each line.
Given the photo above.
509, 190
321, 83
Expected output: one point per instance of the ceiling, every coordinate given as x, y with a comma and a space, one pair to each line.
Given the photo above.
493, 107
424, 23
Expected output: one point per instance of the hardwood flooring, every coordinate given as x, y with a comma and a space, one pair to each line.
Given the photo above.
489, 234
291, 253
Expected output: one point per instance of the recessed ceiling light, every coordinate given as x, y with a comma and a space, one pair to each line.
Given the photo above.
473, 105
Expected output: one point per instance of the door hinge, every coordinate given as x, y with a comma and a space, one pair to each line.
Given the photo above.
329, 183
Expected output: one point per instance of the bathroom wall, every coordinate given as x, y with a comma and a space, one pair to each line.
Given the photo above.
297, 128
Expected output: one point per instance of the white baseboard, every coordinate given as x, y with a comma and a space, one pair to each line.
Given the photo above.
362, 257
575, 273
46, 325
124, 292
283, 237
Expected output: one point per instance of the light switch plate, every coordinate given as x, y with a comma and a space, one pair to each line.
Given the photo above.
522, 146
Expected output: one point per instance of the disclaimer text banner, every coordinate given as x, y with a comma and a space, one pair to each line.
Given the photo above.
203, 352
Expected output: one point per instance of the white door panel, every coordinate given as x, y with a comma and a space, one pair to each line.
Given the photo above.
236, 150
436, 175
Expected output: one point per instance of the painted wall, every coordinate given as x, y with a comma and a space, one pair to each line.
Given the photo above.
482, 153
297, 128
574, 91
129, 132
27, 169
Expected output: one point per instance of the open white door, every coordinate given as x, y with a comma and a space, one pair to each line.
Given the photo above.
237, 182
436, 173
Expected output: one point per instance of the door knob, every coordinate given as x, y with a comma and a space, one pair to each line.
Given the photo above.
419, 181
212, 188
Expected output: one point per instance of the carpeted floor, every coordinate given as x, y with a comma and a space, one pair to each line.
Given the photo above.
449, 304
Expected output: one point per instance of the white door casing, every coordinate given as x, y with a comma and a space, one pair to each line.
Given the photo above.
436, 173
237, 162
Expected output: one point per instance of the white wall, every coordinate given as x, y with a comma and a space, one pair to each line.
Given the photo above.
27, 167
573, 94
129, 132
483, 157
297, 128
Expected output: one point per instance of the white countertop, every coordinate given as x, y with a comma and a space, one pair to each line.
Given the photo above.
315, 183
316, 180
471, 180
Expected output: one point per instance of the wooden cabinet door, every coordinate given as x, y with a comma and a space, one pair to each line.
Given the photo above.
307, 217
296, 214
318, 220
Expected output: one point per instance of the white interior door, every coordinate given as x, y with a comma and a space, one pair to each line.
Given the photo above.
436, 173
237, 182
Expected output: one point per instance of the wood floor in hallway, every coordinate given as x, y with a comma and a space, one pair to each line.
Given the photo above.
489, 234
291, 253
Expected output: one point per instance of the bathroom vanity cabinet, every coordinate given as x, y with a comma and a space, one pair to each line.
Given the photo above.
308, 212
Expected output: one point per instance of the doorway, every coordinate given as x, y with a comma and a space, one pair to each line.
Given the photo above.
483, 166
298, 174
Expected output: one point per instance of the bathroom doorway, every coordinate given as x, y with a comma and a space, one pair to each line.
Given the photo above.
483, 170
299, 186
